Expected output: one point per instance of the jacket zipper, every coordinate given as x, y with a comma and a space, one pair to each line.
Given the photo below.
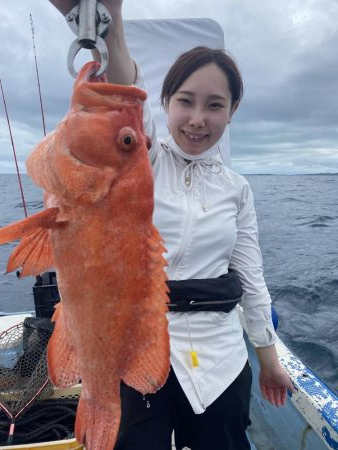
187, 227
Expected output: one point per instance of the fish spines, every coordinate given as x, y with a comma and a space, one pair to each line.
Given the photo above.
149, 365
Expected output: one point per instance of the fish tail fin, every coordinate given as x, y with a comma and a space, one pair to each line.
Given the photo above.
97, 425
34, 253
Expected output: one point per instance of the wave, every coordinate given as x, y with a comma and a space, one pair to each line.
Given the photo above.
295, 200
35, 205
318, 221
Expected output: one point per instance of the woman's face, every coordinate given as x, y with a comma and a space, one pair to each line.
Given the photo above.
200, 110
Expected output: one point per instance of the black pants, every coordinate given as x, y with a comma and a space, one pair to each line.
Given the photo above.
148, 422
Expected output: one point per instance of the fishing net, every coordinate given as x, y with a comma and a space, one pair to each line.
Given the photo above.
24, 380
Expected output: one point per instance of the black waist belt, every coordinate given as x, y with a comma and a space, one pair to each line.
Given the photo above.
211, 294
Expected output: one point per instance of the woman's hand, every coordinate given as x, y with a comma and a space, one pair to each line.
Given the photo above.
274, 383
273, 380
112, 3
64, 6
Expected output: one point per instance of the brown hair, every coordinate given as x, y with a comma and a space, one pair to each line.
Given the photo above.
190, 61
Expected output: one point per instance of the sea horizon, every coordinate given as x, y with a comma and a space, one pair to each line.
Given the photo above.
241, 173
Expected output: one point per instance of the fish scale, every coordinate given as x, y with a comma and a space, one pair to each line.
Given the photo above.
97, 232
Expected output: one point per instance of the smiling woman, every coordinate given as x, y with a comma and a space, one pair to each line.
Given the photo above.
200, 110
200, 93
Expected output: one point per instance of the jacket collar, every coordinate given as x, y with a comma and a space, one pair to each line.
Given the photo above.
211, 153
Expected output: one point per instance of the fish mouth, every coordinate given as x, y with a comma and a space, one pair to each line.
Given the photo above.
92, 90
92, 77
88, 74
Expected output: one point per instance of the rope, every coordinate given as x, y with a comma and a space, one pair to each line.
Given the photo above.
47, 420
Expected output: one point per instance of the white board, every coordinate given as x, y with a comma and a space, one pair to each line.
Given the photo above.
155, 44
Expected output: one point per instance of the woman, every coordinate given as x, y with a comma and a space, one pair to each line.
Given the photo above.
205, 213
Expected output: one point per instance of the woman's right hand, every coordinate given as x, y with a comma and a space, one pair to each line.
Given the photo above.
64, 6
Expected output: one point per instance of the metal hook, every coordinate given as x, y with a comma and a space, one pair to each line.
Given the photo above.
76, 47
90, 21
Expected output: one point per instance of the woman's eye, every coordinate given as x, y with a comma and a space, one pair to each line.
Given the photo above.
185, 101
216, 106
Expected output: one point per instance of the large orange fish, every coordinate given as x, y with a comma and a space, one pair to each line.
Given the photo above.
97, 232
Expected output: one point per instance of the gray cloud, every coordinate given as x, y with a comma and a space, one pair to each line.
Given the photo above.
287, 122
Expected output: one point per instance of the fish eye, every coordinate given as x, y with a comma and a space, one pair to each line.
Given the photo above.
126, 138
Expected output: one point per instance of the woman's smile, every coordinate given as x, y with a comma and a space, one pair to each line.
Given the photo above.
193, 137
200, 110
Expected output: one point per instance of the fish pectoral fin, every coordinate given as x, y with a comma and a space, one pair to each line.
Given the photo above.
43, 219
34, 252
149, 363
62, 363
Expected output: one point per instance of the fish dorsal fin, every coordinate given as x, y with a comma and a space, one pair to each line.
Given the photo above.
150, 361
62, 364
34, 253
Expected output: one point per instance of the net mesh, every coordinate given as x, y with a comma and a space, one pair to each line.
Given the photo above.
24, 380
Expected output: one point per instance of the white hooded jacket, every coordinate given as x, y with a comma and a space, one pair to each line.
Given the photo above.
205, 213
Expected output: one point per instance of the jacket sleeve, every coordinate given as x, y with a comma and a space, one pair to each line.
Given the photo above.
148, 120
246, 260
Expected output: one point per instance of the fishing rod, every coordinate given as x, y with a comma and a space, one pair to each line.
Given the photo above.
14, 151
8, 121
37, 76
10, 130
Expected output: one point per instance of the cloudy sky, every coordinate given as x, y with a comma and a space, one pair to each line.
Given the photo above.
286, 50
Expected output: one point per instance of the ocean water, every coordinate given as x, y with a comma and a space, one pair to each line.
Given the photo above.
298, 228
298, 224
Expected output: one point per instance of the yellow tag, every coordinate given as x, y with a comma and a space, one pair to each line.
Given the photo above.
194, 359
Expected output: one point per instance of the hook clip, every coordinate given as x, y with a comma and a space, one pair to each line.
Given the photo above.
90, 21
